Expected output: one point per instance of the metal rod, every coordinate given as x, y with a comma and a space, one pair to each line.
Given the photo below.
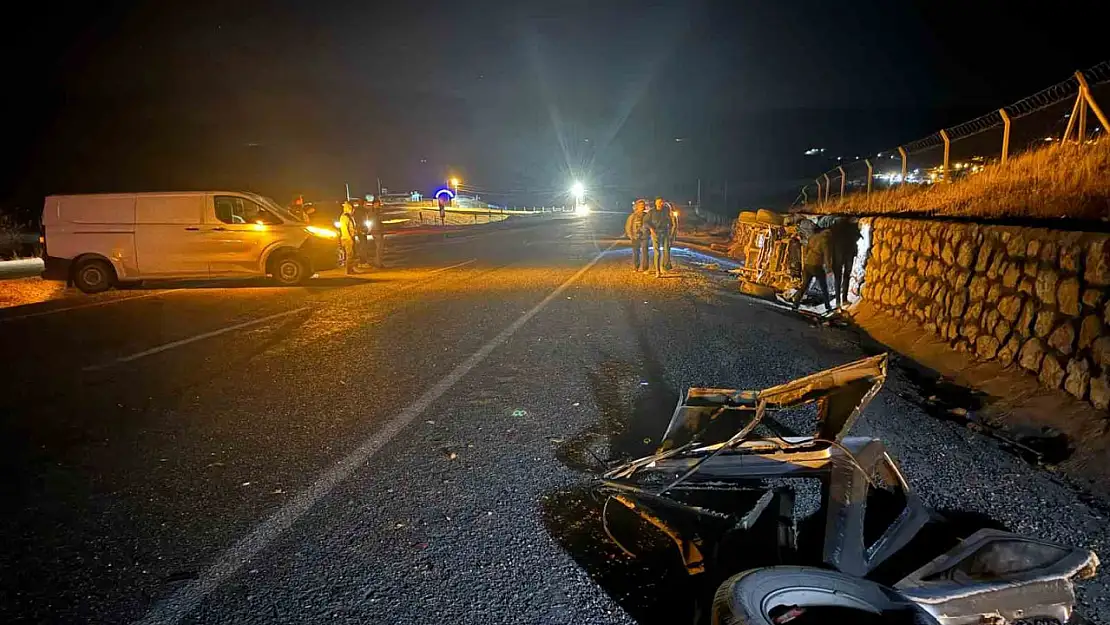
843, 180
1081, 135
1005, 134
827, 185
870, 174
947, 149
1085, 92
805, 196
902, 151
818, 181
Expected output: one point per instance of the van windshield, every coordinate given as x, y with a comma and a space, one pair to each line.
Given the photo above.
274, 207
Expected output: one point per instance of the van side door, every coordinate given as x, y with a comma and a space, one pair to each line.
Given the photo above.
238, 229
169, 239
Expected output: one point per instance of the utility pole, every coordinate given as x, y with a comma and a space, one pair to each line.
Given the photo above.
346, 184
697, 207
379, 188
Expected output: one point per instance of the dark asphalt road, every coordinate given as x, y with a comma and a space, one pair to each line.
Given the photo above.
396, 447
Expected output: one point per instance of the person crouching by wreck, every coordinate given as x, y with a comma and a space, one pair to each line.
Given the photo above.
818, 255
635, 231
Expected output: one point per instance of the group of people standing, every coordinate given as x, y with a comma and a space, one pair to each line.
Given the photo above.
657, 225
362, 233
830, 250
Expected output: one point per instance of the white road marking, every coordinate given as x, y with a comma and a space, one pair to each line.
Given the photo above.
193, 339
181, 603
91, 305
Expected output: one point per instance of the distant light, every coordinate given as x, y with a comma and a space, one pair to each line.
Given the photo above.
455, 182
814, 151
678, 139
578, 190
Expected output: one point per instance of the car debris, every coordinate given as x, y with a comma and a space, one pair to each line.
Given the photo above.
822, 527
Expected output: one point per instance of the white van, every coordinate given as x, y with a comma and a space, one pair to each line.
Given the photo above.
97, 241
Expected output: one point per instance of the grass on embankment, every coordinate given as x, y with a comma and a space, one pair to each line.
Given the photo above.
1056, 181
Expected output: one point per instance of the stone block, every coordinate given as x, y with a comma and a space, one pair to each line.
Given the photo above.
990, 319
1100, 391
948, 255
977, 290
959, 305
960, 279
1015, 247
1001, 330
961, 345
983, 259
1089, 330
1031, 355
1092, 298
1009, 351
1049, 252
1100, 353
1010, 275
1033, 248
965, 256
1097, 268
1067, 296
1046, 321
952, 331
927, 245
1024, 325
1052, 371
974, 312
997, 265
970, 331
922, 265
1062, 338
1010, 307
1078, 377
986, 347
994, 293
1069, 257
1046, 285
1030, 268
1026, 286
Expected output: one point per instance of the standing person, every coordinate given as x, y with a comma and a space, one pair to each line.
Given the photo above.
658, 221
362, 233
634, 230
845, 242
673, 234
817, 257
377, 231
348, 232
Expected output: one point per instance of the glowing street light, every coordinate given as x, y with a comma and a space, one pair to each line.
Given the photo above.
578, 190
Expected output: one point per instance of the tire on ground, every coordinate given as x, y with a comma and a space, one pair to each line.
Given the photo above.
748, 217
93, 275
765, 216
758, 596
756, 289
289, 269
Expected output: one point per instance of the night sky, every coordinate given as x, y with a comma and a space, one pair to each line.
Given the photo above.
517, 98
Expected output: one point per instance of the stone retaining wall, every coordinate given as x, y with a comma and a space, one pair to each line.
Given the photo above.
1033, 298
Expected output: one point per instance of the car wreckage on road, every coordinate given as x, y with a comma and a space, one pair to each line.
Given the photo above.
824, 528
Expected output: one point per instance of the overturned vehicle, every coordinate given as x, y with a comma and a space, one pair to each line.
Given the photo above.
822, 528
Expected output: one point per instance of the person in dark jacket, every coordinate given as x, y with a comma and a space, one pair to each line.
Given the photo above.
636, 232
817, 257
658, 221
844, 243
376, 230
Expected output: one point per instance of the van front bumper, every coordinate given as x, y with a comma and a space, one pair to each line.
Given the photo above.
55, 268
322, 253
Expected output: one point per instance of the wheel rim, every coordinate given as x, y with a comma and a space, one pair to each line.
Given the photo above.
92, 276
289, 271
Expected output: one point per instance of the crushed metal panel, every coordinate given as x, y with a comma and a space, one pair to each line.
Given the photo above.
998, 574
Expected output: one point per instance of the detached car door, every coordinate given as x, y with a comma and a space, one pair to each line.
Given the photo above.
238, 229
998, 574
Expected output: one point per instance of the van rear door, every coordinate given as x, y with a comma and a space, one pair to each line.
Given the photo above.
169, 239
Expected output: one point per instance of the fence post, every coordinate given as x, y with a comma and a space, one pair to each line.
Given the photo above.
870, 174
1005, 134
902, 151
827, 185
1085, 93
1074, 115
805, 196
843, 181
947, 147
818, 181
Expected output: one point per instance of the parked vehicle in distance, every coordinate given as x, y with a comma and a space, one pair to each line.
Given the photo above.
101, 240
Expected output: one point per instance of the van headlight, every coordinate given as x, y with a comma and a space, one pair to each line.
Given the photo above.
324, 233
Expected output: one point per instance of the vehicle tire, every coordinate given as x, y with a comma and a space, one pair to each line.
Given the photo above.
765, 216
761, 596
93, 275
748, 217
756, 289
289, 270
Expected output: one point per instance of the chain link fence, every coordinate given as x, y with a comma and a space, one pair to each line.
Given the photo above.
1068, 110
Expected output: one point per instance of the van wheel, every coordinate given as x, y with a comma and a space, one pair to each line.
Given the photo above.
289, 270
93, 275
